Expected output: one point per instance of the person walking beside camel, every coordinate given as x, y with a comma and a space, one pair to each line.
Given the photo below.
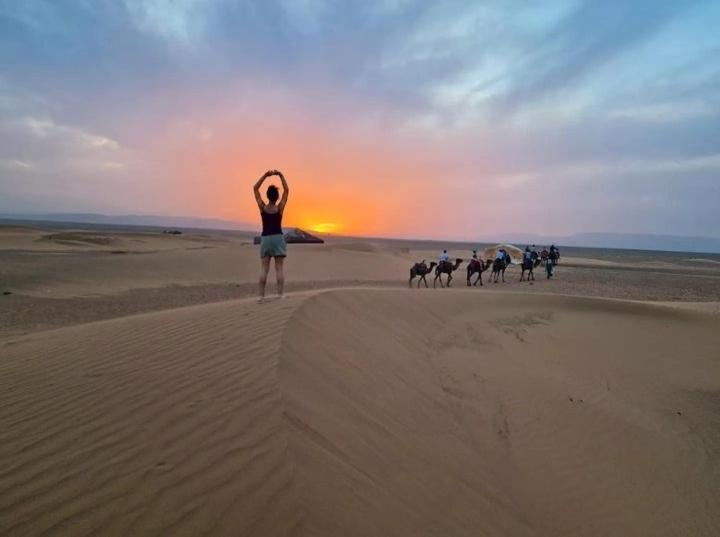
272, 241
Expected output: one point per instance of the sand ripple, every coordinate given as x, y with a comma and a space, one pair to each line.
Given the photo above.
366, 412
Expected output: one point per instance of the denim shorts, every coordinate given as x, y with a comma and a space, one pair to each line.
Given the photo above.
273, 246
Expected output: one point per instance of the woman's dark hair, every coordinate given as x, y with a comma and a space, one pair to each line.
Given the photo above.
273, 193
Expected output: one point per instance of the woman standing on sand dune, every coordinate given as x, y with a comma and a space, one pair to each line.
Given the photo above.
272, 241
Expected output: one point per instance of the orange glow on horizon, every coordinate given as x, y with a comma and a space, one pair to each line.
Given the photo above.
357, 185
325, 227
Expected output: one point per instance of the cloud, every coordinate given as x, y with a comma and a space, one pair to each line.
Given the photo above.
592, 35
73, 138
112, 165
665, 112
504, 103
598, 169
43, 146
14, 165
176, 20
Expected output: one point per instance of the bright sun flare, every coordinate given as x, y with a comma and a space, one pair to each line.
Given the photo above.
326, 227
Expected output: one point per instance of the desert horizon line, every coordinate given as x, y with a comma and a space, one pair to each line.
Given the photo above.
594, 238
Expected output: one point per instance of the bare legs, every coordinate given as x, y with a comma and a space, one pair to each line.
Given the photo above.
264, 268
279, 273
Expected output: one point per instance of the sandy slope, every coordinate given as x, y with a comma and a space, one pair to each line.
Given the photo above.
366, 412
158, 424
50, 278
504, 415
81, 263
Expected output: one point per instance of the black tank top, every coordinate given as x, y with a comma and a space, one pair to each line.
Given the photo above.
271, 222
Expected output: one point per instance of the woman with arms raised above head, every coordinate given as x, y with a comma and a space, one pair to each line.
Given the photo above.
272, 241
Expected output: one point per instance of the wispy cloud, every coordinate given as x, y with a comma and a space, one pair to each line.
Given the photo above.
43, 130
182, 21
14, 164
505, 103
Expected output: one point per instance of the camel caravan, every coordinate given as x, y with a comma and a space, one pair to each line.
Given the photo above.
497, 259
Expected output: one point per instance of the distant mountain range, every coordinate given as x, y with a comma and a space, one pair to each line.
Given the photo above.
625, 241
629, 241
134, 220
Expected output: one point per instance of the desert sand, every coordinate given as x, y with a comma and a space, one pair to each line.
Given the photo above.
147, 393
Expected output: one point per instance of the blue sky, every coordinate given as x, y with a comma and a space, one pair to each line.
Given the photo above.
543, 117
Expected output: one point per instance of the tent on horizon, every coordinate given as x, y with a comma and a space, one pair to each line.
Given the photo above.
296, 235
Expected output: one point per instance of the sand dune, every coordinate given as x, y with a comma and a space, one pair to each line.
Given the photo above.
366, 412
160, 424
80, 263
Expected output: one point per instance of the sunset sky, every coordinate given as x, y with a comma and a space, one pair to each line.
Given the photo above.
450, 119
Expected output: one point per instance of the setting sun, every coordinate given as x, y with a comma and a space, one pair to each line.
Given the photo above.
325, 227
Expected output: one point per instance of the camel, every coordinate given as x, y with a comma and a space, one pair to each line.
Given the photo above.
477, 266
446, 268
420, 270
498, 269
527, 265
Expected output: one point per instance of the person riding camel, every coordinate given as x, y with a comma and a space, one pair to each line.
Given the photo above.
555, 254
475, 261
443, 258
